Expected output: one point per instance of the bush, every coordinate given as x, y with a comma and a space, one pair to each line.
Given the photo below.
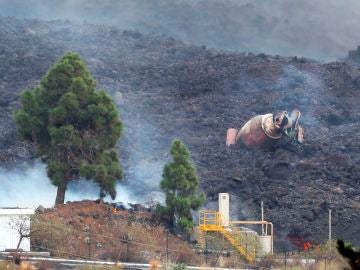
180, 266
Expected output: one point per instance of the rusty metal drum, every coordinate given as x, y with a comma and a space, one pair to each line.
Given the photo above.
259, 132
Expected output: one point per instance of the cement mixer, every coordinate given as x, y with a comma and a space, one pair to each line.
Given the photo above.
269, 131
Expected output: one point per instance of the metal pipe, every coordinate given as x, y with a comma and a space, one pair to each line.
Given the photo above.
262, 217
272, 238
254, 222
330, 228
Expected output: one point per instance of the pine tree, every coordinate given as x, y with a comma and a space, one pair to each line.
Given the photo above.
180, 185
74, 125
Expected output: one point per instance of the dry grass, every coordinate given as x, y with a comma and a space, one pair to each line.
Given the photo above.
6, 266
26, 266
325, 259
115, 236
318, 265
330, 265
154, 265
11, 266
99, 267
52, 235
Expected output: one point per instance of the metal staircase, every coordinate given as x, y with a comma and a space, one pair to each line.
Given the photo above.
211, 221
241, 249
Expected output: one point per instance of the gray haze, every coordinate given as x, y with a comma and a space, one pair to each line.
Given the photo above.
145, 161
321, 29
29, 186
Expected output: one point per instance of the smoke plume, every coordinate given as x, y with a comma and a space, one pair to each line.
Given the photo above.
323, 29
29, 186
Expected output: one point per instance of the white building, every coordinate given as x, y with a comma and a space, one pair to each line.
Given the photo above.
9, 237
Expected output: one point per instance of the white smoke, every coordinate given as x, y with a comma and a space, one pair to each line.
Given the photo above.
300, 88
321, 29
145, 162
30, 187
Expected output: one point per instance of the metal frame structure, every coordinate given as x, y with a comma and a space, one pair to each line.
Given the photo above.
264, 223
211, 221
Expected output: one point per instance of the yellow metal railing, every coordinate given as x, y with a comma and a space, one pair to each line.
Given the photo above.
246, 240
249, 254
211, 221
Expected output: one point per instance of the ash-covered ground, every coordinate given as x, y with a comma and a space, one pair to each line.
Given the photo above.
321, 29
165, 89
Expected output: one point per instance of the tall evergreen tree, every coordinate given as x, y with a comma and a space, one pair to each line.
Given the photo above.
180, 185
75, 126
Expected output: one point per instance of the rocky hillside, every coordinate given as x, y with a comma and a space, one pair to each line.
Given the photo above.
101, 231
165, 89
302, 28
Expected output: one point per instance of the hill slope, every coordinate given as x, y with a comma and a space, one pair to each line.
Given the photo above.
166, 89
322, 29
96, 230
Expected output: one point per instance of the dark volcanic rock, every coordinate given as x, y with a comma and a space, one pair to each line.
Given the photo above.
166, 90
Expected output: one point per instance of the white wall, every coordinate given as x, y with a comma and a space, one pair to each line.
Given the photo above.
224, 208
8, 236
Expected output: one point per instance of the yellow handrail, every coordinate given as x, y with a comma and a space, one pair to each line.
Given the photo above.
211, 220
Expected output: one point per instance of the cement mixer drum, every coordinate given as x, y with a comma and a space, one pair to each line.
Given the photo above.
258, 132
264, 131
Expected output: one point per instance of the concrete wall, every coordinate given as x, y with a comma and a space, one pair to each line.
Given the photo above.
8, 236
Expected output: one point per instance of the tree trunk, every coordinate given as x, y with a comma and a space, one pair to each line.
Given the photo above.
19, 243
16, 257
60, 195
172, 221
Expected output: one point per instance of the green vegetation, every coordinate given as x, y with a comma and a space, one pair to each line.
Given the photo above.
180, 185
351, 255
180, 266
74, 125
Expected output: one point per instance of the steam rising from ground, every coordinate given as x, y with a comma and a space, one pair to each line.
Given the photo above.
146, 156
322, 29
30, 187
